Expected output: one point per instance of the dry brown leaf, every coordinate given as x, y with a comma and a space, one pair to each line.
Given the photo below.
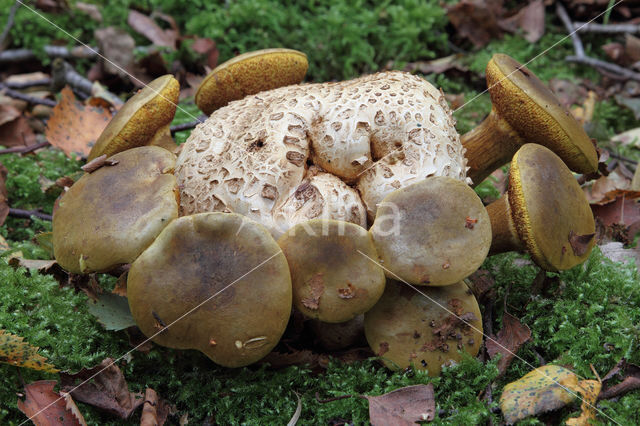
44, 407
529, 19
589, 389
40, 265
509, 339
107, 391
403, 407
630, 137
476, 20
71, 406
15, 132
603, 190
90, 9
15, 351
567, 92
584, 114
117, 46
146, 26
74, 127
8, 113
206, 47
155, 409
439, 65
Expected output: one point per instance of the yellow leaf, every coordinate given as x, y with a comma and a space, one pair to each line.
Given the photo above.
16, 352
543, 389
590, 389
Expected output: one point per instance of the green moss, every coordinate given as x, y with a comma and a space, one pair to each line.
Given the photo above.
186, 112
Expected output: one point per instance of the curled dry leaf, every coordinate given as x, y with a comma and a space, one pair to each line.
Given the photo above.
14, 351
44, 407
403, 407
509, 339
146, 26
107, 391
73, 126
155, 409
529, 19
476, 20
14, 128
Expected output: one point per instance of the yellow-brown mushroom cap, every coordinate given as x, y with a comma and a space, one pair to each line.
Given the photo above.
534, 112
434, 232
425, 329
218, 282
248, 74
141, 119
333, 277
549, 209
110, 216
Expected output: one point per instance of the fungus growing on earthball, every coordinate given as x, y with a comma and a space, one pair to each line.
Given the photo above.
434, 232
424, 326
143, 120
376, 133
333, 277
214, 282
108, 217
248, 74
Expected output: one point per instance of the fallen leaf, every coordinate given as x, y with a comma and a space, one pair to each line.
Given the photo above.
14, 351
632, 103
567, 92
632, 47
71, 406
529, 19
146, 26
16, 132
616, 252
630, 138
74, 127
584, 114
580, 244
589, 389
45, 241
439, 65
52, 6
509, 339
539, 391
40, 265
8, 113
615, 51
404, 406
155, 410
44, 407
603, 190
476, 20
4, 245
116, 45
104, 388
208, 48
91, 10
121, 285
112, 311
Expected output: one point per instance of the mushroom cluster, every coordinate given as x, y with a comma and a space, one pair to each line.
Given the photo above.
348, 202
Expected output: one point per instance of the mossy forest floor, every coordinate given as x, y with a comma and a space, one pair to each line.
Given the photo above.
588, 316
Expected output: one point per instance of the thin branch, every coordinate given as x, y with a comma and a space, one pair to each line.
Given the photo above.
592, 27
31, 99
27, 214
62, 73
27, 84
187, 126
621, 158
607, 66
10, 20
19, 55
25, 149
575, 38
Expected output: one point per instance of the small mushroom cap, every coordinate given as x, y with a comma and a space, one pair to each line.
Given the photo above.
110, 216
549, 209
516, 93
333, 280
227, 265
434, 232
248, 74
140, 119
424, 330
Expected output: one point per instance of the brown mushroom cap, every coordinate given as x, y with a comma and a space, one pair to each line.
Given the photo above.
409, 328
248, 74
434, 232
229, 264
333, 280
110, 216
548, 210
517, 93
143, 120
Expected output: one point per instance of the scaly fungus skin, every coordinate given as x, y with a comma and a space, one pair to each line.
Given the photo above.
143, 120
222, 284
378, 133
110, 216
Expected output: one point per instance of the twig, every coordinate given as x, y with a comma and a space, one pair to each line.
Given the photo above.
62, 73
187, 126
591, 27
621, 158
575, 38
31, 99
25, 149
19, 55
26, 214
336, 398
7, 27
27, 84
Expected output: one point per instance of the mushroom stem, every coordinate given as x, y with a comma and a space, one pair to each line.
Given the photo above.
489, 146
504, 236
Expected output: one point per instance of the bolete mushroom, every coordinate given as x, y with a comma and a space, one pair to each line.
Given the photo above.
143, 120
523, 111
248, 74
425, 328
110, 216
378, 133
333, 279
434, 232
214, 282
544, 212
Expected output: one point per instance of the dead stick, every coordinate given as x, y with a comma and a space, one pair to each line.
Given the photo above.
27, 214
575, 38
187, 126
17, 85
592, 27
10, 20
24, 149
31, 99
19, 55
607, 66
